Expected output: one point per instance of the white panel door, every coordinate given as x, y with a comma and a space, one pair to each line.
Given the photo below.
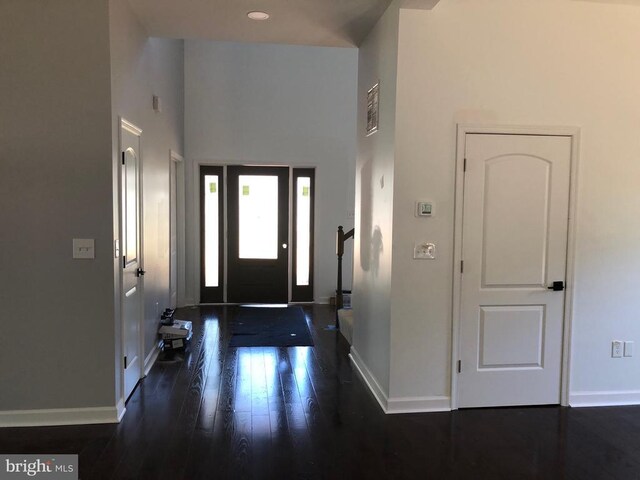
131, 257
514, 244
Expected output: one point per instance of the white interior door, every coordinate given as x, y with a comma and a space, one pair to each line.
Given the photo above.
514, 244
132, 272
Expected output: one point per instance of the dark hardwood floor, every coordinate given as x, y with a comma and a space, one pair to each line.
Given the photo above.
302, 412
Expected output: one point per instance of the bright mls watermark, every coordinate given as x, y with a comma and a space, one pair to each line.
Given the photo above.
51, 467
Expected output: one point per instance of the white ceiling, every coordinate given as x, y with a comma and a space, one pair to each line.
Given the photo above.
334, 23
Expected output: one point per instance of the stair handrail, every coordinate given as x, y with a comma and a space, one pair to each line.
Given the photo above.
341, 238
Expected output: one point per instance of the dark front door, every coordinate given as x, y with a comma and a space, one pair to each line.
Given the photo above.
258, 220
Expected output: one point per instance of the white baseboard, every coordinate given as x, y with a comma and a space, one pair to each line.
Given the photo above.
323, 300
120, 409
392, 405
61, 416
369, 379
604, 398
418, 404
151, 358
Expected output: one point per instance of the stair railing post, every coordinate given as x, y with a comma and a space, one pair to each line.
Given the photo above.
339, 253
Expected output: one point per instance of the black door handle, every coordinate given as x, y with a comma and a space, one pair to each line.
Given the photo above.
140, 272
557, 286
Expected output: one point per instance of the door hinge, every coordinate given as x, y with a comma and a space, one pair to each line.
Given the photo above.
464, 165
124, 262
461, 266
459, 366
125, 362
123, 158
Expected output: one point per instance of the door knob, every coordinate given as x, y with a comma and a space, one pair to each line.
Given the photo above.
557, 286
140, 272
284, 245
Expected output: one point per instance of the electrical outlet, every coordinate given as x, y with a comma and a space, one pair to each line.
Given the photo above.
628, 349
616, 349
424, 251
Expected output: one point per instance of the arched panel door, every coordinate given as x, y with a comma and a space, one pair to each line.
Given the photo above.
515, 225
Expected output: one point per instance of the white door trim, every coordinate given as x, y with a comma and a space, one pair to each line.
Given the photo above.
178, 159
130, 127
574, 134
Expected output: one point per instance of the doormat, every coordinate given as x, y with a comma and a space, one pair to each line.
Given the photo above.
270, 327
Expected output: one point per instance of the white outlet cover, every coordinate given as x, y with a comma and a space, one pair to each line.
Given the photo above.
424, 251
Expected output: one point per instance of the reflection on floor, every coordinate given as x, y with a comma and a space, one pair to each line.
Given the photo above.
302, 412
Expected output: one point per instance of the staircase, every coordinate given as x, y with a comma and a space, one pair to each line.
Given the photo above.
344, 314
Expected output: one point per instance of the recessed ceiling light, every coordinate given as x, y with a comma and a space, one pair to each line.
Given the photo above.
258, 15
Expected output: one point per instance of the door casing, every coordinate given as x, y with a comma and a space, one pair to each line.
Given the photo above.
462, 131
130, 127
176, 164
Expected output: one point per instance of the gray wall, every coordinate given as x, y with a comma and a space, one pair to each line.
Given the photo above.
374, 200
276, 105
578, 70
524, 62
69, 69
142, 67
57, 343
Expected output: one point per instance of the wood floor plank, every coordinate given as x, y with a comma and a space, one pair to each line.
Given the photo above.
259, 389
261, 449
155, 429
173, 464
282, 447
215, 412
241, 451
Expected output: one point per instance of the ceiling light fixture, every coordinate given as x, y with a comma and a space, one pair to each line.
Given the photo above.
258, 15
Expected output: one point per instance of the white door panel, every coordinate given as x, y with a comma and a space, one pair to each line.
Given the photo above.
131, 264
516, 199
511, 337
516, 190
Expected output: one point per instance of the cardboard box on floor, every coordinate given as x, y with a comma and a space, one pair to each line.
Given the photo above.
177, 334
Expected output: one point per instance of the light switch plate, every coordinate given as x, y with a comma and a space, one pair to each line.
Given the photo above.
616, 349
84, 248
424, 251
628, 349
157, 104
